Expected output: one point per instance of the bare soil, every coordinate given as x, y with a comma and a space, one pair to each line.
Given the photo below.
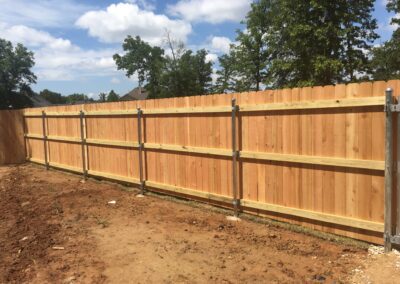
56, 228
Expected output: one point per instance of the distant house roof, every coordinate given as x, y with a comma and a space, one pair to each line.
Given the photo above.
39, 101
138, 93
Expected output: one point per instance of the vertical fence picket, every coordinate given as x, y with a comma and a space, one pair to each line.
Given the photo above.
45, 144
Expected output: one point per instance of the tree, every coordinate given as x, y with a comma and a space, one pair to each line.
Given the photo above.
225, 74
53, 97
182, 73
15, 75
358, 35
290, 43
77, 98
385, 63
394, 6
202, 70
144, 60
112, 97
251, 53
319, 42
102, 97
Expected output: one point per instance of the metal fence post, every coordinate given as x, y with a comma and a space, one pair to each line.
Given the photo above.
83, 143
388, 171
397, 171
234, 160
139, 127
46, 160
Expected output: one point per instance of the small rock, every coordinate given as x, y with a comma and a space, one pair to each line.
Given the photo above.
243, 268
69, 280
375, 250
319, 277
23, 204
24, 239
58, 248
112, 202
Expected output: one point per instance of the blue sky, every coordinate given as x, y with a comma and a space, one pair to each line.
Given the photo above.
74, 40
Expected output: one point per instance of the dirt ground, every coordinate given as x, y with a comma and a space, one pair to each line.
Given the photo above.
55, 228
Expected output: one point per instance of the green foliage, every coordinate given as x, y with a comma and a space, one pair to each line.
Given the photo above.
319, 42
112, 97
102, 97
183, 74
290, 43
187, 75
394, 6
225, 82
53, 97
78, 98
385, 63
15, 75
251, 54
144, 60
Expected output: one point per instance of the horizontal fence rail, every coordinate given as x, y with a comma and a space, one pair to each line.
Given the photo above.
286, 158
300, 159
322, 104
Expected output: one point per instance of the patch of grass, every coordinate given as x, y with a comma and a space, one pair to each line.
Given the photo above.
57, 208
103, 222
51, 188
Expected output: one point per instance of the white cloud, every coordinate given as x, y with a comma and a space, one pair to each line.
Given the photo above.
221, 43
32, 37
212, 11
92, 96
122, 19
211, 57
41, 13
145, 4
58, 58
115, 80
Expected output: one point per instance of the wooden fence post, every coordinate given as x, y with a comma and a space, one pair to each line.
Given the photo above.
388, 230
46, 160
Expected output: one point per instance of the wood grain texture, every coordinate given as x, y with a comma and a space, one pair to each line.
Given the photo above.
12, 145
313, 149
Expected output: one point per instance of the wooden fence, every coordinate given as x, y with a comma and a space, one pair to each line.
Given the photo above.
313, 156
11, 137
